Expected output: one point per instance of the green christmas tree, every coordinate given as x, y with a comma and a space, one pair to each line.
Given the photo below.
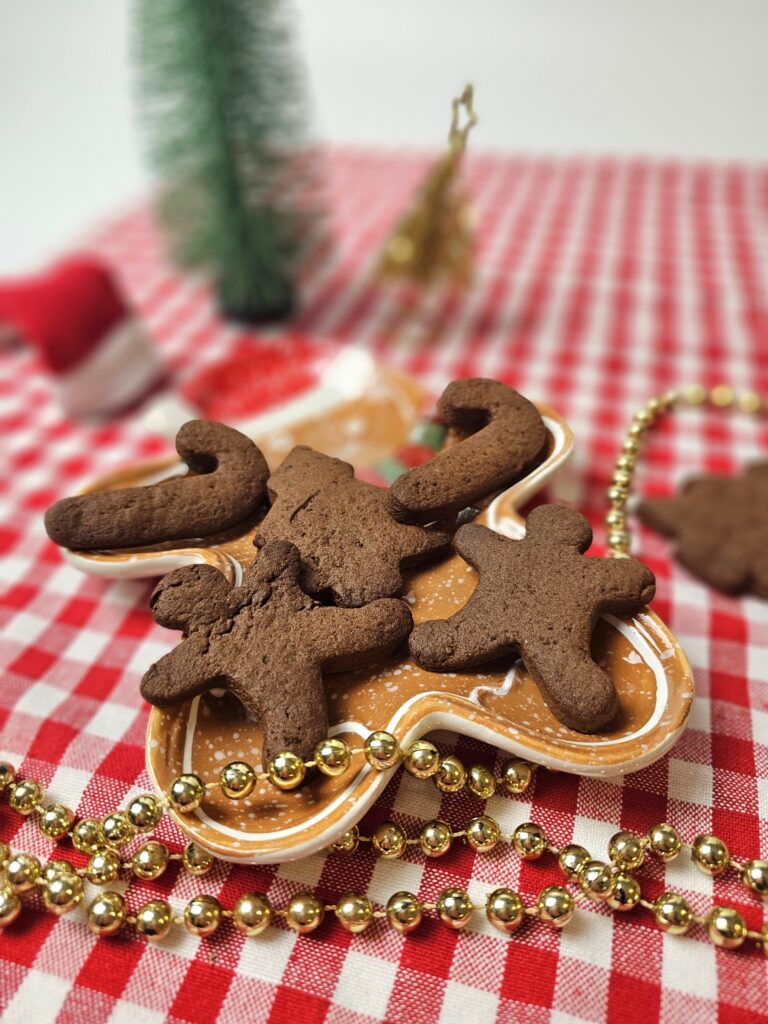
221, 100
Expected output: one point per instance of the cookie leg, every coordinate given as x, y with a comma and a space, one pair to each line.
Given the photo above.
579, 693
291, 711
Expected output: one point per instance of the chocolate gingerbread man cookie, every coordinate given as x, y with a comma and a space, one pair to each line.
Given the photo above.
508, 439
267, 642
539, 597
229, 485
720, 525
351, 548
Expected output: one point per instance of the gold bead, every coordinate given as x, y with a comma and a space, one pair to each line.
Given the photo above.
664, 841
354, 912
202, 915
186, 793
517, 776
56, 820
237, 780
615, 519
669, 398
480, 781
626, 850
144, 812
435, 838
56, 867
5, 853
381, 750
286, 770
404, 912
347, 843
621, 478
572, 859
626, 893
710, 854
10, 906
750, 402
389, 841
106, 914
695, 394
529, 841
26, 796
7, 775
196, 860
617, 496
332, 757
117, 829
631, 446
505, 910
619, 540
454, 907
150, 860
726, 927
596, 880
754, 876
22, 872
87, 836
722, 396
252, 913
644, 417
154, 920
422, 759
672, 913
103, 867
483, 833
304, 913
626, 461
63, 893
764, 940
555, 906
451, 775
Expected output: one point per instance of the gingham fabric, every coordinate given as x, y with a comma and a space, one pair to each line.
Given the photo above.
599, 284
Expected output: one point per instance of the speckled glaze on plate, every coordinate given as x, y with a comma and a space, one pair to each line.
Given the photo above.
500, 705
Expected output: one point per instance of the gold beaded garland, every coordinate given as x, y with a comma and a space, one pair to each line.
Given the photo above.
505, 910
117, 829
435, 838
154, 920
354, 912
710, 854
672, 912
202, 915
186, 793
480, 781
454, 907
389, 841
422, 759
237, 780
62, 893
286, 770
252, 913
56, 820
664, 841
382, 750
87, 836
150, 860
196, 860
404, 912
26, 796
754, 876
483, 833
726, 927
55, 867
7, 775
625, 894
554, 906
106, 913
332, 757
596, 880
626, 850
304, 913
529, 841
572, 859
144, 812
10, 906
450, 775
22, 872
516, 776
5, 853
348, 842
103, 867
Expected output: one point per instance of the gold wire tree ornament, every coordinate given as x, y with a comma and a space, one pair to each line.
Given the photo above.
433, 243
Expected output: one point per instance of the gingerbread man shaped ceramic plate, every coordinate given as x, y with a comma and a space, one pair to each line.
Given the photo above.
497, 703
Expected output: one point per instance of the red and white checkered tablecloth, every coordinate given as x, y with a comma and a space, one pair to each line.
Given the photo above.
600, 284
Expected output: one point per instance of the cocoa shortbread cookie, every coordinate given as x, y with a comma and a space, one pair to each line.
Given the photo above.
227, 486
539, 597
267, 642
352, 550
720, 525
504, 438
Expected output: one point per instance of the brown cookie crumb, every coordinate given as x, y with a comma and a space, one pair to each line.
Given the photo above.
229, 487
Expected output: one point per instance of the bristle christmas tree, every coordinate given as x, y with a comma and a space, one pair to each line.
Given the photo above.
221, 99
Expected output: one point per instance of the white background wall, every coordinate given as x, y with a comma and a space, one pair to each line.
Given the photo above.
686, 77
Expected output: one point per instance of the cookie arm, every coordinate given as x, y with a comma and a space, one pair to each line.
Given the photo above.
181, 674
347, 638
446, 645
620, 584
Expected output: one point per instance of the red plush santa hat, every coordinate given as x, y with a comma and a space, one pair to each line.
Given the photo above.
99, 354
